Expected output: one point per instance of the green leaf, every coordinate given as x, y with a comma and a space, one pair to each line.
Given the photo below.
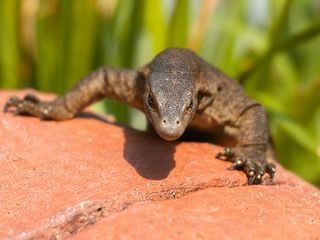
297, 133
156, 25
179, 24
296, 39
291, 42
9, 44
278, 26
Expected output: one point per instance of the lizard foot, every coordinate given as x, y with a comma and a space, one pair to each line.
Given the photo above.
252, 162
29, 105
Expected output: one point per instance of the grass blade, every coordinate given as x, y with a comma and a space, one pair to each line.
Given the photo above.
9, 45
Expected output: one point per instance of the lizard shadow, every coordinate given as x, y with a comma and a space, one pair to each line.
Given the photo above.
152, 157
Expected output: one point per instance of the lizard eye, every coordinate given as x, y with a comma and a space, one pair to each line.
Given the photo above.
151, 102
190, 107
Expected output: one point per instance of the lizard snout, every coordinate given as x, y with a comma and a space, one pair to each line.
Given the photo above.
170, 129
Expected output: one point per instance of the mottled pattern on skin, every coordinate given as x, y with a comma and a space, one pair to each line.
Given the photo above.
176, 90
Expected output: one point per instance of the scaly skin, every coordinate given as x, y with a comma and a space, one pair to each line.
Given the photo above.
176, 90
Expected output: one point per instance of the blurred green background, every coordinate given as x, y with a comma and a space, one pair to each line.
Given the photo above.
271, 46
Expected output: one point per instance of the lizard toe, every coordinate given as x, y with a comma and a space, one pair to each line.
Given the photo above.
226, 154
31, 98
239, 163
271, 170
12, 102
254, 172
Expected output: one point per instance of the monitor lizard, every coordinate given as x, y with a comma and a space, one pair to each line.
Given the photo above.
176, 90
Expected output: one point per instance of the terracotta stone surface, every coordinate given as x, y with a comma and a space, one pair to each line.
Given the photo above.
89, 178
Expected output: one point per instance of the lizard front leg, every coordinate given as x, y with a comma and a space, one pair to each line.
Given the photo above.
125, 85
250, 152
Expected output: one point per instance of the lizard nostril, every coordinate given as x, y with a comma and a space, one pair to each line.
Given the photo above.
177, 122
164, 121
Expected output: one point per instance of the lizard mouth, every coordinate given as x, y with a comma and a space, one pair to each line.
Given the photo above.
170, 137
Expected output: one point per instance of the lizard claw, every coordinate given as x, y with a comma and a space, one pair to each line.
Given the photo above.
254, 165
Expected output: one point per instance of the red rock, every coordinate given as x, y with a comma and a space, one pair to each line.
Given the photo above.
89, 178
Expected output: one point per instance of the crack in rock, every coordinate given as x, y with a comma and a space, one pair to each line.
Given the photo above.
83, 215
76, 218
66, 223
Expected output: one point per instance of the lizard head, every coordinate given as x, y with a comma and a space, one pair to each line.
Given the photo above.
170, 97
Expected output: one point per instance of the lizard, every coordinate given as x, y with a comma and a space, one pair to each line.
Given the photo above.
177, 90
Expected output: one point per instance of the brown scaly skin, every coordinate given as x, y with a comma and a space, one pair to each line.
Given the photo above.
176, 90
